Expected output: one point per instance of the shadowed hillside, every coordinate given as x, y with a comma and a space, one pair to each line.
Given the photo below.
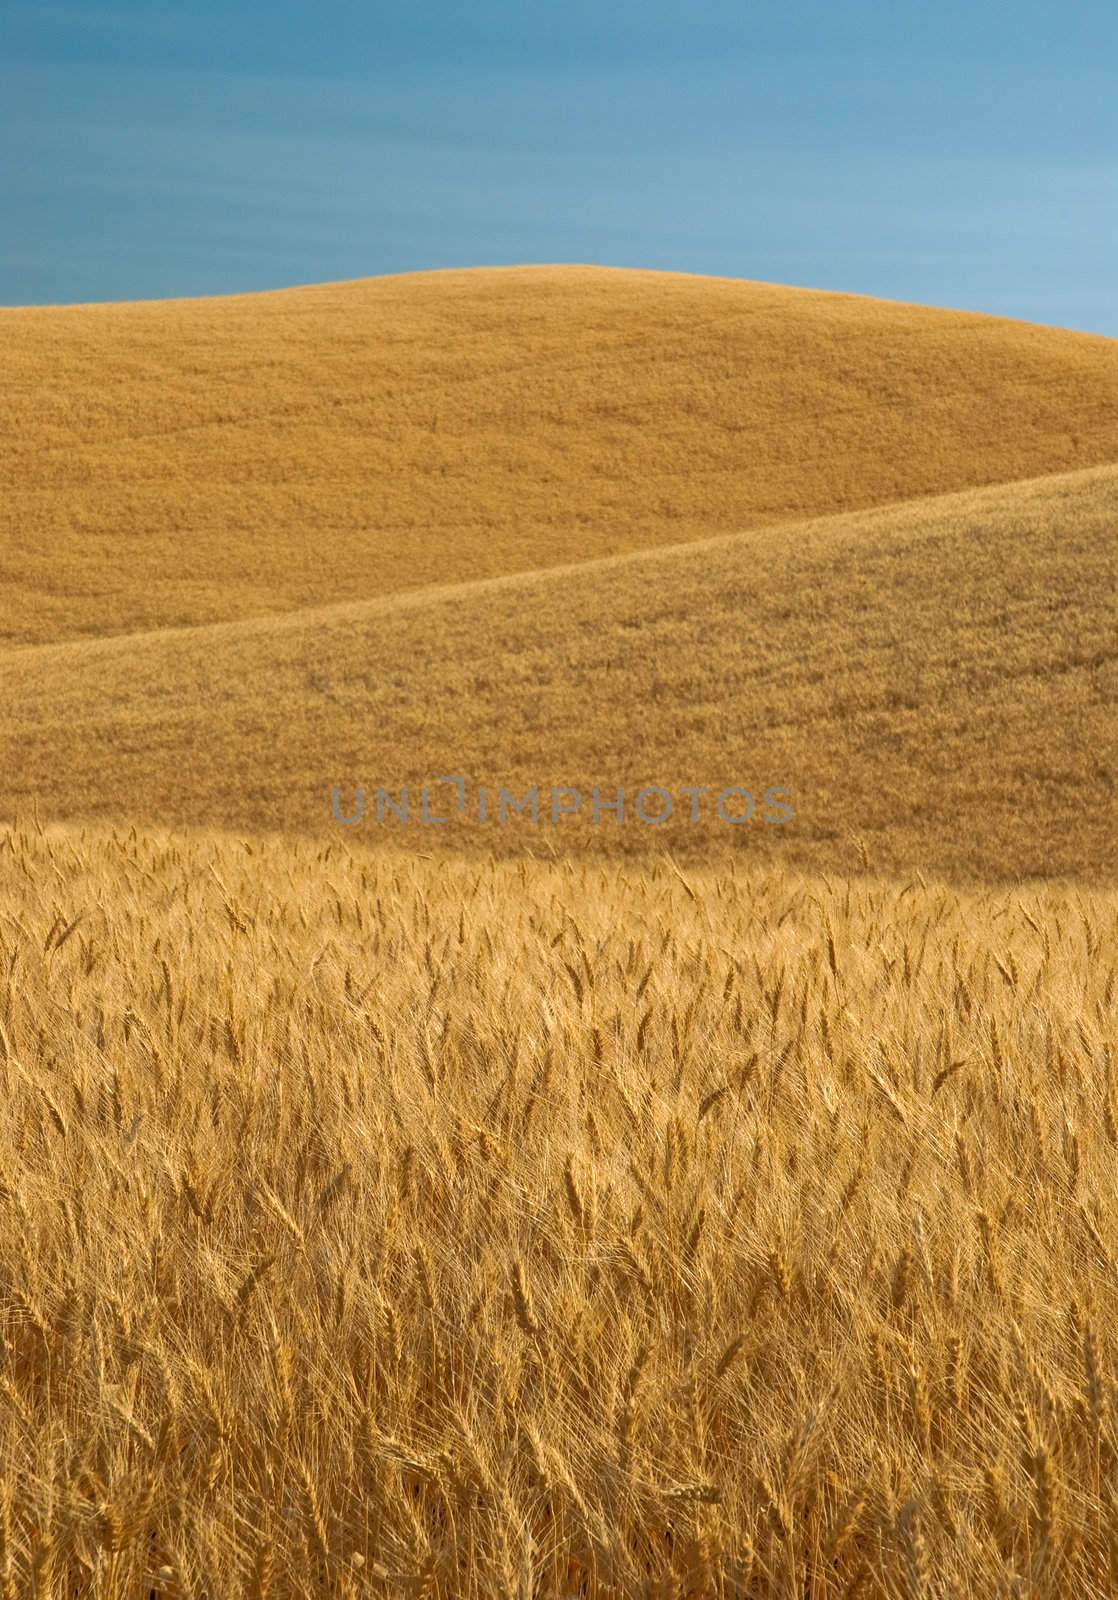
184, 462
938, 681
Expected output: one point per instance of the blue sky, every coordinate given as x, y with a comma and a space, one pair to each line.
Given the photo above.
961, 154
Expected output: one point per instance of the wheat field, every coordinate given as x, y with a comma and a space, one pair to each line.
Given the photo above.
182, 462
378, 1228
934, 684
570, 1212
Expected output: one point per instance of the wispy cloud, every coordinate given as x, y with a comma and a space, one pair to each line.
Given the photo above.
104, 19
775, 157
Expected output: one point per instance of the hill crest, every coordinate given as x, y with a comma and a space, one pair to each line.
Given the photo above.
176, 463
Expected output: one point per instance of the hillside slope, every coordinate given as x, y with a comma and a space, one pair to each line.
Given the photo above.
184, 462
938, 681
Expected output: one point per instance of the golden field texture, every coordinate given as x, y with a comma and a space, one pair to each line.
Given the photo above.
381, 1227
581, 1210
936, 685
183, 462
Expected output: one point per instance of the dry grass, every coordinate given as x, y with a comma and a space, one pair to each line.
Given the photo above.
937, 685
374, 1227
184, 462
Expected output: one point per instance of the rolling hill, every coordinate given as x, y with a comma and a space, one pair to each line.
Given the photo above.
938, 681
187, 462
387, 1218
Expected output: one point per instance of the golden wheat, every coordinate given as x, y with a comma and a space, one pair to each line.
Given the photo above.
183, 462
379, 1226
